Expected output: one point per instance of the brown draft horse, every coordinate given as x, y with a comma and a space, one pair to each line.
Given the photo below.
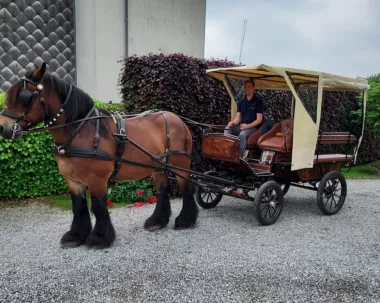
40, 97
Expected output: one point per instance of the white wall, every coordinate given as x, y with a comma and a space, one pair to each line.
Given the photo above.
168, 26
100, 42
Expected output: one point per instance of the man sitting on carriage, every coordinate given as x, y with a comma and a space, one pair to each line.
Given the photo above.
249, 116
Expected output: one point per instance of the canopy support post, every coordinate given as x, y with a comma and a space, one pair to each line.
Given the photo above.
293, 107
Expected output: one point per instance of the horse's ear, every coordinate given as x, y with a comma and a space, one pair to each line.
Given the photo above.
39, 71
43, 69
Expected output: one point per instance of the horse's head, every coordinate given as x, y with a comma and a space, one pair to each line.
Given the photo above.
25, 105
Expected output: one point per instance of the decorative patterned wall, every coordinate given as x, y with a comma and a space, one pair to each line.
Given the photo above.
35, 31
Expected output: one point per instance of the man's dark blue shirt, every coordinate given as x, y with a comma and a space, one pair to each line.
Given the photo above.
250, 109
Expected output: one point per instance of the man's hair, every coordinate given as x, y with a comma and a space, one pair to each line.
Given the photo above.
250, 81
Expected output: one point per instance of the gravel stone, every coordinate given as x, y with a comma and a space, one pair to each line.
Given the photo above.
228, 257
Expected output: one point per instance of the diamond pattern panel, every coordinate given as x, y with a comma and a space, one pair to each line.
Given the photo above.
32, 32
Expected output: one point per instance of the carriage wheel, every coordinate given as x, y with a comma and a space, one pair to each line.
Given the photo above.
332, 192
207, 199
269, 203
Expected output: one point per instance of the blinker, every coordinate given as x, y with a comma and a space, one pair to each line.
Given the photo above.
26, 97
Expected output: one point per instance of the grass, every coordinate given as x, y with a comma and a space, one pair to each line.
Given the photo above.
59, 201
64, 202
367, 171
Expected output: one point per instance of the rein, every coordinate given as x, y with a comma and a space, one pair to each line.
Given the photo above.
28, 98
46, 127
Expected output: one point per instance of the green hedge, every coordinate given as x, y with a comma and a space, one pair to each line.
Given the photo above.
110, 107
2, 99
28, 168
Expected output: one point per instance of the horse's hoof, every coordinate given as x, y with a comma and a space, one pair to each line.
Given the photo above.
98, 241
183, 223
153, 228
152, 224
70, 240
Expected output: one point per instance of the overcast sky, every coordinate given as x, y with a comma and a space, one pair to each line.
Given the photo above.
336, 36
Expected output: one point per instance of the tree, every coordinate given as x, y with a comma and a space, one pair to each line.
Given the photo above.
373, 105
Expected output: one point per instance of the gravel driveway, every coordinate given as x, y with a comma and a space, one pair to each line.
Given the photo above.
228, 257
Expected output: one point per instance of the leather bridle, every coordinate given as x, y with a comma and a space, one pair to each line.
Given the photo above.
27, 99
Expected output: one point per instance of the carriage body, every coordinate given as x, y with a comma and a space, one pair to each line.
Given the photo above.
288, 152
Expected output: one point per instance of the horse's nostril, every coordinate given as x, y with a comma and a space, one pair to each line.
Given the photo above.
1, 130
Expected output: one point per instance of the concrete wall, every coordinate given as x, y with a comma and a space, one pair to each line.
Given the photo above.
105, 34
33, 32
100, 43
168, 26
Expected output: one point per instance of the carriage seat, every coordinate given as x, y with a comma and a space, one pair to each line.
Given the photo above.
253, 139
279, 138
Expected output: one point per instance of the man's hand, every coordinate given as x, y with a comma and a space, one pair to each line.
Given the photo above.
231, 124
244, 126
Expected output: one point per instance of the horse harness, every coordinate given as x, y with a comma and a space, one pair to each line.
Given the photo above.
121, 141
66, 150
27, 99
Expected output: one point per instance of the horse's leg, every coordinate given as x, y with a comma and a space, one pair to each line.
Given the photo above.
81, 225
162, 212
103, 234
189, 213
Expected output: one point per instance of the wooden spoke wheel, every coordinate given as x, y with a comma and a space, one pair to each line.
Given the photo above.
269, 201
332, 192
206, 198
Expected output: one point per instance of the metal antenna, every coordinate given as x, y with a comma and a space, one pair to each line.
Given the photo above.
242, 38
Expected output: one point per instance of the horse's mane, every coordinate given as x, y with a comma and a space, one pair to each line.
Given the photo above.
77, 107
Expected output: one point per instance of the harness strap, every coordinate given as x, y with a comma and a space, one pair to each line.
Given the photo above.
120, 143
29, 107
61, 148
98, 154
97, 136
60, 111
121, 139
101, 155
167, 153
9, 115
187, 138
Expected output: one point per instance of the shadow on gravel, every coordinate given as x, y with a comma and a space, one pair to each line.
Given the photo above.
241, 212
7, 204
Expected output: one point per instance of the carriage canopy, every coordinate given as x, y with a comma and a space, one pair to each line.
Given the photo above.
306, 87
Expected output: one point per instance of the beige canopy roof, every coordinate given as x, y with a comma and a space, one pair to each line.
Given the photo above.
272, 77
305, 130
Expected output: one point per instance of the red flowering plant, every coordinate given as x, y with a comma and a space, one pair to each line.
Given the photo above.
151, 200
146, 197
133, 191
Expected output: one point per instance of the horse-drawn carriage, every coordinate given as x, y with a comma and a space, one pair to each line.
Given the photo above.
160, 144
283, 155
